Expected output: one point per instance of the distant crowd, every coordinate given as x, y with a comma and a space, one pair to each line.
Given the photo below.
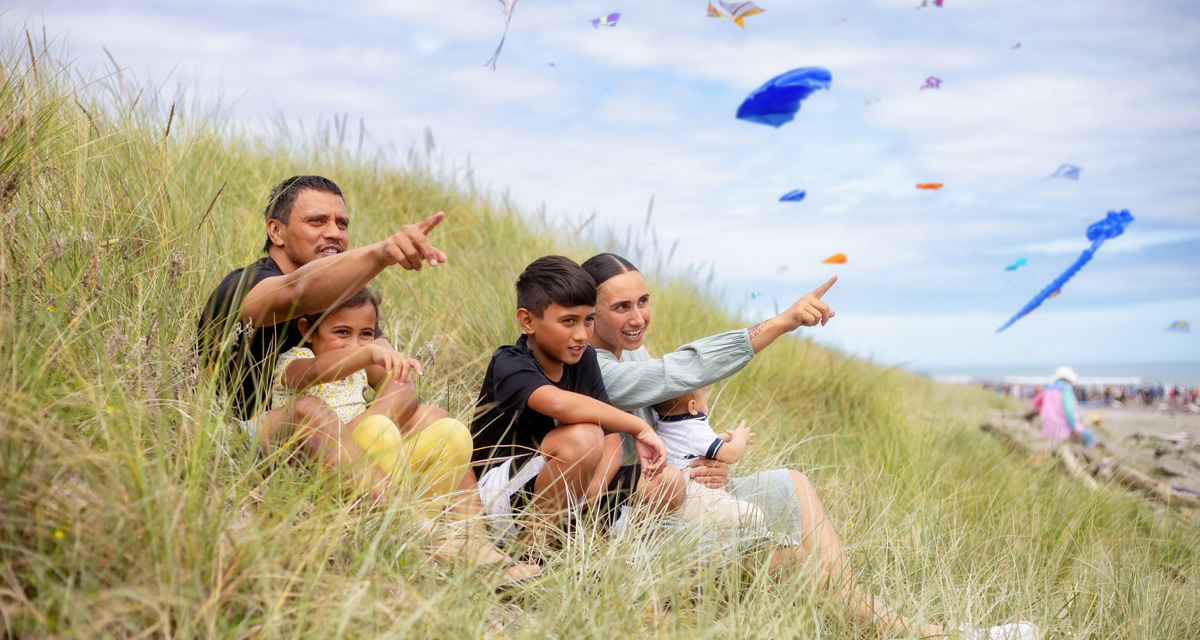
1146, 395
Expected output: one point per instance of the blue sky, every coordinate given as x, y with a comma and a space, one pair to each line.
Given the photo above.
646, 109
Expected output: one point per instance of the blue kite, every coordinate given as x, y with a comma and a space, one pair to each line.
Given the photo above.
1020, 262
776, 102
1110, 227
795, 195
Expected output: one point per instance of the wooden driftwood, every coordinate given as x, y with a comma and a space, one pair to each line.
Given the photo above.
1094, 466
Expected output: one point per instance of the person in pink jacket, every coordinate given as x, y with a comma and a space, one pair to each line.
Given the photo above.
1060, 415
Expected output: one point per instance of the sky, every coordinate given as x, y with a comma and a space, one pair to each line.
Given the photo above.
577, 120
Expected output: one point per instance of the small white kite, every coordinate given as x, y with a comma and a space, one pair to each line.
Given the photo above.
738, 11
508, 5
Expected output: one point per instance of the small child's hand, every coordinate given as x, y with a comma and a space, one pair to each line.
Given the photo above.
395, 363
741, 429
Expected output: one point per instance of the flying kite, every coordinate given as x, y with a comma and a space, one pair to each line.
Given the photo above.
925, 3
1110, 227
609, 20
837, 258
932, 186
1181, 326
738, 11
1016, 46
795, 195
508, 5
1016, 265
776, 102
1066, 171
932, 83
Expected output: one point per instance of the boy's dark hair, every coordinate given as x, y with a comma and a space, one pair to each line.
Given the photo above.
603, 266
363, 297
554, 280
283, 196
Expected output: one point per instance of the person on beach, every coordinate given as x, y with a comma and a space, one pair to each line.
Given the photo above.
798, 529
343, 362
1059, 411
542, 419
683, 426
250, 318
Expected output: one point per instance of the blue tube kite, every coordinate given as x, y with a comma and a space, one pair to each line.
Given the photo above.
776, 102
1110, 227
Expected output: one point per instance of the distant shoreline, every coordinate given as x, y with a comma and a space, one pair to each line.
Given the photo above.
1166, 373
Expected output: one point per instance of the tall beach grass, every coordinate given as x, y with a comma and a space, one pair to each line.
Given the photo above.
128, 508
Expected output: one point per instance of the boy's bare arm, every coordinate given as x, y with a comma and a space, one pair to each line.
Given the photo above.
575, 408
735, 446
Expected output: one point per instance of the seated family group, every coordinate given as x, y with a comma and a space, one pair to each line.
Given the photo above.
574, 415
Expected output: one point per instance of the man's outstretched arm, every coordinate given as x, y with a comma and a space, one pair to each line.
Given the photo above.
323, 283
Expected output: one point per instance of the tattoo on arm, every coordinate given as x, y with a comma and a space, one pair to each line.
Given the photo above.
757, 329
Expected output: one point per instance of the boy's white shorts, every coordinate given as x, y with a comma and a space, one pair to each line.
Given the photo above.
496, 488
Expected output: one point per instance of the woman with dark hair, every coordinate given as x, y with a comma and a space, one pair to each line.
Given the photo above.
800, 530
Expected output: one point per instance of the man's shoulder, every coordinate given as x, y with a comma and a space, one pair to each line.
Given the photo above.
247, 276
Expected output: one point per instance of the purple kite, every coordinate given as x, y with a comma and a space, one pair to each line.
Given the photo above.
609, 20
1068, 171
932, 83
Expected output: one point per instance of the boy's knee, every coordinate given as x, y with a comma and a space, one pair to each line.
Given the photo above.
580, 445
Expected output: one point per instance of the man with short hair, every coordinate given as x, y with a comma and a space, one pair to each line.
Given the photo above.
250, 319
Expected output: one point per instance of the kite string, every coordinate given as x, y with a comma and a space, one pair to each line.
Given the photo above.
491, 63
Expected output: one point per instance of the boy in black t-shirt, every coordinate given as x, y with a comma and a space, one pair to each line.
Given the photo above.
542, 416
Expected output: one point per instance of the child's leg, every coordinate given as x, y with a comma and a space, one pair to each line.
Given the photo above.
661, 494
397, 401
718, 509
607, 469
573, 453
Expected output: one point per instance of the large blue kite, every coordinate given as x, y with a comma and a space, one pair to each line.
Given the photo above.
776, 102
1110, 227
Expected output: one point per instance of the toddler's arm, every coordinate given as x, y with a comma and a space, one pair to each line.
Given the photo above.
736, 442
575, 408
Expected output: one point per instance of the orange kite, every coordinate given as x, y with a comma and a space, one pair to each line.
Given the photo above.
837, 258
929, 185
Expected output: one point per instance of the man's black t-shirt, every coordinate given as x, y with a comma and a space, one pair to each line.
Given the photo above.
246, 353
504, 426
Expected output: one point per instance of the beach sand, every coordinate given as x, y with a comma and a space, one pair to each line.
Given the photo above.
1154, 441
1126, 421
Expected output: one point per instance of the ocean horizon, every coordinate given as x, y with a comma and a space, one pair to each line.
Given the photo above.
1166, 373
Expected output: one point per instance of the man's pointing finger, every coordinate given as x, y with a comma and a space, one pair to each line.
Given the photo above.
432, 221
